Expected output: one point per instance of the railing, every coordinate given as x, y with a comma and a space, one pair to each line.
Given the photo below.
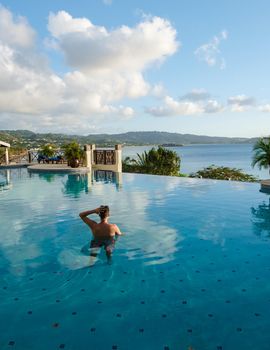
34, 154
30, 156
2, 159
110, 158
105, 157
19, 158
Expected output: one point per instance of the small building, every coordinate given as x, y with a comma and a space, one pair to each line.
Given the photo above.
6, 146
104, 159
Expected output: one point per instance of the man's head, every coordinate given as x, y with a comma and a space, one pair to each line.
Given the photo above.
104, 212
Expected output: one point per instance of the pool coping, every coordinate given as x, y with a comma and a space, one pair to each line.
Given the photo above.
62, 168
265, 185
14, 166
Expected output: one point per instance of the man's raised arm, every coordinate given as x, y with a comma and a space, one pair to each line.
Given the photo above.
83, 215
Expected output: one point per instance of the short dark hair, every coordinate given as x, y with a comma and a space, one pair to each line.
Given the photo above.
104, 211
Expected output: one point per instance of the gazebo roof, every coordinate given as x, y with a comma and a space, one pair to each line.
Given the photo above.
4, 144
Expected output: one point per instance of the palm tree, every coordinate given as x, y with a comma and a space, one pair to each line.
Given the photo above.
160, 161
142, 160
261, 155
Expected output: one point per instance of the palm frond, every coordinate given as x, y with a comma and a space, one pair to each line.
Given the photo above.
261, 156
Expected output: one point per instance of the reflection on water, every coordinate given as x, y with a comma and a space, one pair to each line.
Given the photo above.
76, 184
49, 177
108, 177
104, 176
5, 180
185, 244
261, 219
156, 214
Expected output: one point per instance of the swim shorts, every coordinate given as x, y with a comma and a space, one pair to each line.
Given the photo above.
107, 243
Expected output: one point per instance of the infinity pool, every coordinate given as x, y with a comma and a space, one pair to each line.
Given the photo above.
191, 272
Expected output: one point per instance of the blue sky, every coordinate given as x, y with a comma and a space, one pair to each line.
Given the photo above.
198, 67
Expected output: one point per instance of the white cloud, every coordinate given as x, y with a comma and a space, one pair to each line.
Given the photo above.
265, 108
193, 103
15, 30
212, 106
196, 95
241, 103
107, 2
104, 67
158, 90
93, 48
224, 34
24, 86
172, 107
210, 52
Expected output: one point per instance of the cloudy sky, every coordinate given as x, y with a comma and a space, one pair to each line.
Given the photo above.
113, 66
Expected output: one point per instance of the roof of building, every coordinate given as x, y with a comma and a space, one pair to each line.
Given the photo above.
4, 144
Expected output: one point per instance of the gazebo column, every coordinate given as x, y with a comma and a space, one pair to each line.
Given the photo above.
93, 148
6, 156
118, 158
88, 156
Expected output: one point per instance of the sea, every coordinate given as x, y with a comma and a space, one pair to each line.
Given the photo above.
196, 157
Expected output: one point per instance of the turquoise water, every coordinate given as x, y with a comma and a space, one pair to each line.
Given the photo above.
192, 270
196, 157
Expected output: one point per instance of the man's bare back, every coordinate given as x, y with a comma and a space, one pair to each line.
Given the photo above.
103, 229
103, 232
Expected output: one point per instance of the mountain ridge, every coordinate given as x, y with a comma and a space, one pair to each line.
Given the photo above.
27, 138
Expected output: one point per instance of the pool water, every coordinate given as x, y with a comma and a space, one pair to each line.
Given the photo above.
191, 272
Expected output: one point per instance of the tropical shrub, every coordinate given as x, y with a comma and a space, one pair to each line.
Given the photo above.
48, 150
73, 153
223, 173
128, 165
261, 155
160, 161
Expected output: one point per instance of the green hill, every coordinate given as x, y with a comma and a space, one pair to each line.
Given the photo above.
29, 139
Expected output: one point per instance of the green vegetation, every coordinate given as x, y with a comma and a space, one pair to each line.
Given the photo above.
223, 173
12, 151
29, 139
261, 155
48, 150
160, 161
73, 153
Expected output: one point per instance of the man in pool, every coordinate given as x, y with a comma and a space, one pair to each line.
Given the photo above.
103, 232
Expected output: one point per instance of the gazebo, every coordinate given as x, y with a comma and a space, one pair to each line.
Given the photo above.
6, 146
